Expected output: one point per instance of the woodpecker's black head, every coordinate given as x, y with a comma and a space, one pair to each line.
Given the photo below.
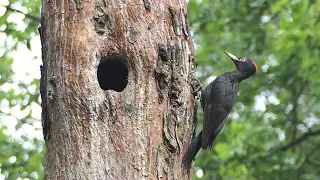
243, 64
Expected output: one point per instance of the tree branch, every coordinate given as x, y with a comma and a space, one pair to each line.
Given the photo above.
297, 94
310, 154
30, 16
313, 162
299, 140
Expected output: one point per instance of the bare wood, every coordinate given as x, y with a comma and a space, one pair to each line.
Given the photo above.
138, 133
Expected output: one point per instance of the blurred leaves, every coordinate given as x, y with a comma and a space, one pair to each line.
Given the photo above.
272, 132
21, 154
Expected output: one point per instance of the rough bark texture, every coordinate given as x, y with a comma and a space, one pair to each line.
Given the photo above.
141, 132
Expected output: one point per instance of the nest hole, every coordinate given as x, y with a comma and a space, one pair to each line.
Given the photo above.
113, 73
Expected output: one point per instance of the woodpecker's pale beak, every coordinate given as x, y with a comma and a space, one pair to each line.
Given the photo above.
233, 57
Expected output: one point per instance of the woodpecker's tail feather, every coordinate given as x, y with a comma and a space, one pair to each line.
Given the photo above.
191, 153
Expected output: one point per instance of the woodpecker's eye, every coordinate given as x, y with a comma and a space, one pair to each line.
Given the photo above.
242, 59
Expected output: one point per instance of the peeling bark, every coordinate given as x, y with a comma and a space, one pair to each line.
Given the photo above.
138, 131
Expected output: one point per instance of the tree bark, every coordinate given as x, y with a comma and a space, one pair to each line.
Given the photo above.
117, 87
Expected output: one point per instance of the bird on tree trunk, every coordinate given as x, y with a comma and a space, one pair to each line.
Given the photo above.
217, 101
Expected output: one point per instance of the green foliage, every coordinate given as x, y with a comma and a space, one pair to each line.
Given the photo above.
274, 130
21, 154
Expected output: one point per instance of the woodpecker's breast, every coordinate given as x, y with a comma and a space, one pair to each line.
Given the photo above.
231, 93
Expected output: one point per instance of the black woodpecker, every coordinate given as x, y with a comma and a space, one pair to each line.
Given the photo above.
217, 101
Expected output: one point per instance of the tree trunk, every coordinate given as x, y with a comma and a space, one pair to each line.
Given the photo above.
117, 87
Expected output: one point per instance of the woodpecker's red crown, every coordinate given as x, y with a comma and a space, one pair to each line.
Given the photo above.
244, 64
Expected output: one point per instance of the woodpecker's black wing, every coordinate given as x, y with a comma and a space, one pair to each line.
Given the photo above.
218, 103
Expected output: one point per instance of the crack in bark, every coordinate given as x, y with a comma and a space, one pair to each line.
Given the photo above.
174, 21
147, 5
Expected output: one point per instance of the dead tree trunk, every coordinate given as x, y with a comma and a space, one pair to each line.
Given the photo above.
117, 88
